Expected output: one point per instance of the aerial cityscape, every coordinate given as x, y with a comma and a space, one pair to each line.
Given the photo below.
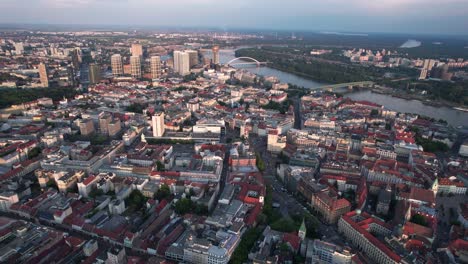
199, 139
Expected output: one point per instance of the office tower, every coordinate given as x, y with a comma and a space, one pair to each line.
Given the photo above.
137, 50
155, 63
193, 57
76, 58
94, 73
215, 50
158, 124
71, 76
181, 62
117, 65
135, 66
43, 75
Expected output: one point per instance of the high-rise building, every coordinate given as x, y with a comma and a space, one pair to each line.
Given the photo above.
117, 65
137, 50
193, 57
71, 76
158, 124
43, 75
135, 66
19, 48
76, 58
155, 63
86, 127
181, 62
215, 51
104, 120
94, 73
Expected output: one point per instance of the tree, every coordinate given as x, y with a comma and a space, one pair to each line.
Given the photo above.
259, 162
241, 253
160, 166
136, 200
419, 219
374, 112
163, 192
183, 206
34, 152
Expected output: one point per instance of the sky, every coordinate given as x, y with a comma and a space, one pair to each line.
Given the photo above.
395, 16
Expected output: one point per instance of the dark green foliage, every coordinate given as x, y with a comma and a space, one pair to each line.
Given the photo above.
136, 108
248, 240
186, 205
163, 192
281, 107
259, 162
135, 201
17, 96
419, 219
431, 145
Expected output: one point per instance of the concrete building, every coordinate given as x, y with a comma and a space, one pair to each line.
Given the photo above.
360, 229
86, 127
135, 66
324, 252
215, 51
158, 124
137, 50
117, 65
181, 62
330, 205
104, 120
94, 73
193, 57
43, 75
155, 63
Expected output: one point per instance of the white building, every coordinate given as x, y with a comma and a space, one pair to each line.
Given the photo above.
181, 62
157, 122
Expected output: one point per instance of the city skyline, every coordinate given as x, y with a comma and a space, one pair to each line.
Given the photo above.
411, 16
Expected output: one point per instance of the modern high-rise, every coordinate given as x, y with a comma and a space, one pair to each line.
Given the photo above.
43, 75
135, 66
117, 65
215, 51
94, 73
158, 124
181, 62
193, 57
137, 50
155, 63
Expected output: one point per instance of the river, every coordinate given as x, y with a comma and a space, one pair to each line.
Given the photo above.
452, 116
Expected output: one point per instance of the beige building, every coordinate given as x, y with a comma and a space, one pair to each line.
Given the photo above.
94, 73
137, 50
43, 75
117, 65
86, 127
135, 66
155, 63
158, 124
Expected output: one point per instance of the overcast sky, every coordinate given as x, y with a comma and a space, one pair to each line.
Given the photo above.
398, 16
